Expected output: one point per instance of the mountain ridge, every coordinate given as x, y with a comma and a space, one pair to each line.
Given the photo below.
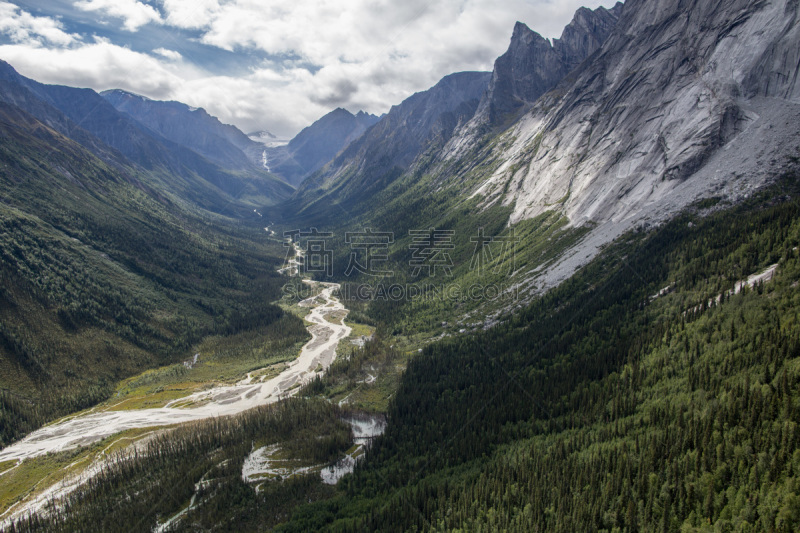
191, 127
101, 126
669, 140
421, 123
408, 139
534, 65
666, 111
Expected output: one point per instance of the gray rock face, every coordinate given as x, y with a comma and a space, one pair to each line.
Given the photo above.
586, 34
668, 89
775, 73
317, 144
532, 65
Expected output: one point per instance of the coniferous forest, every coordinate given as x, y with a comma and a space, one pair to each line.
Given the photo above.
609, 404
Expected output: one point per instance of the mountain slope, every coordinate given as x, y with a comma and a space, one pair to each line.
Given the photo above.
180, 170
684, 100
104, 275
421, 124
190, 127
608, 404
669, 88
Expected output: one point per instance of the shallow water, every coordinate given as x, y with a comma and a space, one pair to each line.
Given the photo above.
365, 428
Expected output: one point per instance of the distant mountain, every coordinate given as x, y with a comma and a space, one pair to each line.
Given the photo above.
423, 123
187, 126
89, 119
266, 138
317, 144
261, 136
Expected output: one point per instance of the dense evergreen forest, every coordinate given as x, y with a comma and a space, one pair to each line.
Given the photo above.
644, 394
202, 462
609, 404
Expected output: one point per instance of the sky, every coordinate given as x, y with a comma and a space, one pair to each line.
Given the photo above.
267, 65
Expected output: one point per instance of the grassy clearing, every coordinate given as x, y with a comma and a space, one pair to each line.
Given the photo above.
5, 466
221, 360
359, 330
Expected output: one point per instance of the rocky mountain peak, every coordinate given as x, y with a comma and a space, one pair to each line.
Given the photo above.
7, 72
522, 34
685, 99
533, 65
586, 33
317, 144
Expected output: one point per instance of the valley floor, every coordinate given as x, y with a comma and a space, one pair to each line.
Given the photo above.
327, 330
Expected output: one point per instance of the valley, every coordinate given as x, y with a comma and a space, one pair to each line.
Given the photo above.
100, 423
259, 387
560, 292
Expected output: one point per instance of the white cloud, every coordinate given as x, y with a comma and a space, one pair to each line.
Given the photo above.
260, 101
360, 54
99, 65
368, 54
172, 55
190, 14
22, 27
134, 14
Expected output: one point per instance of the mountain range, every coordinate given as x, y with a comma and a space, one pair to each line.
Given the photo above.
636, 112
189, 127
92, 120
631, 366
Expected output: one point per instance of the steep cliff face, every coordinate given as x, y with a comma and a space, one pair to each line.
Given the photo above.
586, 34
665, 93
776, 71
678, 100
533, 65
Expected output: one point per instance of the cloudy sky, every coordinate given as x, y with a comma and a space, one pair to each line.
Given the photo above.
273, 65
